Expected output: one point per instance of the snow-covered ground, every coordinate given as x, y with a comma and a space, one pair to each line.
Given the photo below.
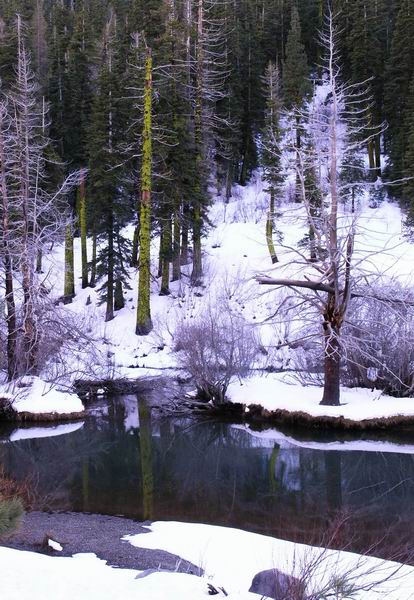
278, 391
34, 395
235, 252
230, 559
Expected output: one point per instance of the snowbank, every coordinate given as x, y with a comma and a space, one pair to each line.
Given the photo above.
33, 397
32, 576
277, 392
233, 557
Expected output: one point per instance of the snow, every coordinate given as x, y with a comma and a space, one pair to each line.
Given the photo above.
233, 557
32, 576
38, 397
54, 545
229, 557
235, 252
277, 392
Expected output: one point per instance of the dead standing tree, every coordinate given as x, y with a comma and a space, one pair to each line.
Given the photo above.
31, 216
333, 126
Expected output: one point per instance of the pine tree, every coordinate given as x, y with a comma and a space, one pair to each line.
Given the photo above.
107, 200
296, 84
400, 68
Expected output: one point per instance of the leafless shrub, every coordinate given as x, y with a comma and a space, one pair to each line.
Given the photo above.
215, 348
320, 573
67, 346
379, 342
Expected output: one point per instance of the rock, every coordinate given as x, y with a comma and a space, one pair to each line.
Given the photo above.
275, 584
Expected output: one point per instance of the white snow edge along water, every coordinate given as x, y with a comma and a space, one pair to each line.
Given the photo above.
230, 558
36, 396
279, 392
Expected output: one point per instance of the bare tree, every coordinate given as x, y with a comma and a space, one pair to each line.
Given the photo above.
333, 124
31, 215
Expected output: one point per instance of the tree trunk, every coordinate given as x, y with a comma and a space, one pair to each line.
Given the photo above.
197, 271
371, 156
83, 230
144, 322
110, 282
119, 295
184, 235
92, 283
166, 258
176, 267
378, 155
134, 253
269, 229
11, 318
39, 260
331, 388
69, 290
298, 196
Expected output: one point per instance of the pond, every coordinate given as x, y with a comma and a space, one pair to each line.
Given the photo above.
126, 460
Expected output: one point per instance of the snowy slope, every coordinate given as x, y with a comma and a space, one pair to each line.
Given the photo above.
234, 253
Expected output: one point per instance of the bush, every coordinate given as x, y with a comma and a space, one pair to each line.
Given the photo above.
379, 343
11, 512
215, 348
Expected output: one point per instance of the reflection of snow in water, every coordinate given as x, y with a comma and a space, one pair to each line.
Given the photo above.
288, 469
131, 420
30, 433
267, 439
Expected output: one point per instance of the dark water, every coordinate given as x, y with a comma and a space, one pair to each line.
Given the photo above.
129, 462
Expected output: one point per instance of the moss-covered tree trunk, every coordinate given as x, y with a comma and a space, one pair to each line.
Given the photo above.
83, 230
269, 229
69, 288
145, 448
144, 322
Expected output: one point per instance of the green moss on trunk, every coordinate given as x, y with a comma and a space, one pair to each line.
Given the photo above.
69, 289
144, 322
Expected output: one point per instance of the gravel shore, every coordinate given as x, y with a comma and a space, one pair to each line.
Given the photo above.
79, 532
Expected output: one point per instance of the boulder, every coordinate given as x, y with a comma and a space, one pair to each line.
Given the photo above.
275, 584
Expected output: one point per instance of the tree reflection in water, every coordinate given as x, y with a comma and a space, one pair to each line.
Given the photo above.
127, 461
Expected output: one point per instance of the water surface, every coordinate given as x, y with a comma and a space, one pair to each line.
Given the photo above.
127, 461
